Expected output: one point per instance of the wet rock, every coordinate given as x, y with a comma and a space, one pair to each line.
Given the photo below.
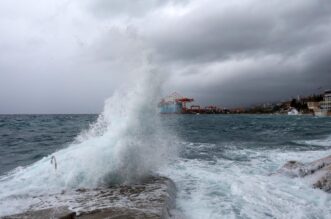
324, 183
291, 168
153, 198
318, 171
318, 165
58, 213
119, 213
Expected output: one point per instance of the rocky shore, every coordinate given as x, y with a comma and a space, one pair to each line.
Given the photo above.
152, 199
317, 173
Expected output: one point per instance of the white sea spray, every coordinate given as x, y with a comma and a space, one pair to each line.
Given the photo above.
226, 188
124, 145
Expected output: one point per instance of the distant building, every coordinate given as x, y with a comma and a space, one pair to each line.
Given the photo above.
313, 105
322, 108
326, 103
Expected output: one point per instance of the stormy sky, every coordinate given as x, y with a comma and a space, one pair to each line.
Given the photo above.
68, 56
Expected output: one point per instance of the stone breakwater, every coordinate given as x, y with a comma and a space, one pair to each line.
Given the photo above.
152, 199
317, 173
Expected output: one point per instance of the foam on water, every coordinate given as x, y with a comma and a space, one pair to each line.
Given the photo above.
125, 144
317, 142
225, 188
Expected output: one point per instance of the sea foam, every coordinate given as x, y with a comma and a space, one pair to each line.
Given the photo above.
245, 188
124, 145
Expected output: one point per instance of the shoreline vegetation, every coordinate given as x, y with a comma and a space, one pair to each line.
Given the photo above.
283, 107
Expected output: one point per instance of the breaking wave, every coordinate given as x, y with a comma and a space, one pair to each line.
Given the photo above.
124, 145
317, 142
234, 187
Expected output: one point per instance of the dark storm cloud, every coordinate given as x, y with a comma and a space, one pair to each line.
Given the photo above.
252, 29
287, 47
260, 80
69, 56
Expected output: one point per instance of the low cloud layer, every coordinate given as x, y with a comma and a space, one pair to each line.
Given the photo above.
69, 56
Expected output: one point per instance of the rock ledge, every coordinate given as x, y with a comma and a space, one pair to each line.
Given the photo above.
319, 171
152, 199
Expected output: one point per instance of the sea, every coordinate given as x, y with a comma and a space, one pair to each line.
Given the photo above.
222, 165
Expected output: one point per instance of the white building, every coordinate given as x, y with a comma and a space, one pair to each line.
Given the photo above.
326, 103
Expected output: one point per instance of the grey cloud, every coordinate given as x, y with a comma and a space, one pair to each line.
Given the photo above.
297, 34
69, 56
262, 81
138, 8
260, 28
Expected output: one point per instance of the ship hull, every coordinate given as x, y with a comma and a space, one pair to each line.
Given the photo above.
170, 108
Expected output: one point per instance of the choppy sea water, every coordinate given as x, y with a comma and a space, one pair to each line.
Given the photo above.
222, 169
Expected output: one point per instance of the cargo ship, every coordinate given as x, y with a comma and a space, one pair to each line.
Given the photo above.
177, 104
174, 103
